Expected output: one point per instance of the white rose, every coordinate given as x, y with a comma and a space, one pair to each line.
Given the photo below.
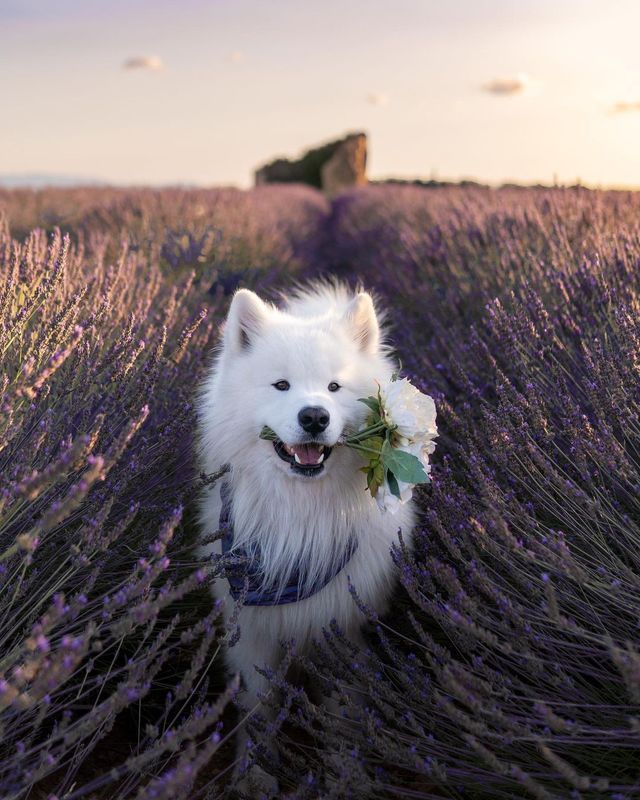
421, 449
412, 412
389, 502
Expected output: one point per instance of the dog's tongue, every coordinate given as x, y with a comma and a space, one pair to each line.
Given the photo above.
307, 453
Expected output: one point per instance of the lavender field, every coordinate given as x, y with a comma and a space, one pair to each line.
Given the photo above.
510, 665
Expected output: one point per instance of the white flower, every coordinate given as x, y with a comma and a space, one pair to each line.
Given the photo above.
421, 449
389, 502
413, 413
404, 422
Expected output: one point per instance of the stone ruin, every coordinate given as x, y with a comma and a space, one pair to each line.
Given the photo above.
331, 167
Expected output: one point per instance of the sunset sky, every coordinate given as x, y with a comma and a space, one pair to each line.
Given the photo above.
167, 91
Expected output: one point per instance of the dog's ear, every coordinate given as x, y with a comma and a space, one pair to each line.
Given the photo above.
360, 316
246, 317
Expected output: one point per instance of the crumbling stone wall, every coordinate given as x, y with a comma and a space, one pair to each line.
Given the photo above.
331, 167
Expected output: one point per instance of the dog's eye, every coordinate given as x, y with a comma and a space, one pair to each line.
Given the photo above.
333, 386
281, 386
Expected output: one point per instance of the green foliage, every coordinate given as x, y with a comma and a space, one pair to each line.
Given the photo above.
405, 466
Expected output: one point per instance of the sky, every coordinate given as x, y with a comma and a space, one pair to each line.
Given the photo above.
187, 91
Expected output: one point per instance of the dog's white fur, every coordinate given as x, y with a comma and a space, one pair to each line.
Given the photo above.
324, 334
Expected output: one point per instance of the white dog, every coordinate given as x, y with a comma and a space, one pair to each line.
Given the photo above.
298, 508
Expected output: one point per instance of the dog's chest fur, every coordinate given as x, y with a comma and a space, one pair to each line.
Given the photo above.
291, 535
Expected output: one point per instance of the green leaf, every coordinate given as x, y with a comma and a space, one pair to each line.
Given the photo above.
268, 433
405, 466
393, 484
375, 477
373, 443
371, 402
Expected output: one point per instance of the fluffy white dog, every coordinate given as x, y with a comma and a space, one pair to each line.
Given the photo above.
296, 508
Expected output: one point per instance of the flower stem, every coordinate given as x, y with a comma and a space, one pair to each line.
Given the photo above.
363, 449
365, 434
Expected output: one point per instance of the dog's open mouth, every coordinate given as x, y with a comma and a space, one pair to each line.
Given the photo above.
305, 459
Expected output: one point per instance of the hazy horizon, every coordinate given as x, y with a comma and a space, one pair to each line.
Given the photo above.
44, 180
141, 93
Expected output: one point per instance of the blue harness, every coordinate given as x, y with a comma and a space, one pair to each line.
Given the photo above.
247, 568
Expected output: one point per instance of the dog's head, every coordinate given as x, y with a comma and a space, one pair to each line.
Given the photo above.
301, 372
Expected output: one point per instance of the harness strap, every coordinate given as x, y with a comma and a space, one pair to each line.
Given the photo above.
248, 568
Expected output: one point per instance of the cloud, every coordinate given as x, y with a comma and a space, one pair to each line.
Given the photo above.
237, 57
507, 86
143, 62
378, 99
625, 106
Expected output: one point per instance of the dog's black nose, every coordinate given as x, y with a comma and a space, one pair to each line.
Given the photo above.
313, 419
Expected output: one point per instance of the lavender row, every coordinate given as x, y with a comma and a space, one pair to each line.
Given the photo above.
509, 665
100, 595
